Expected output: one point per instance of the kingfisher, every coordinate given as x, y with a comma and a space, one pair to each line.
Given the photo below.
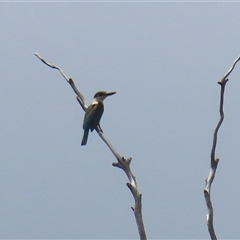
94, 113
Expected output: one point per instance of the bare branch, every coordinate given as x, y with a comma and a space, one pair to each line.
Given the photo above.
122, 163
69, 80
214, 161
230, 70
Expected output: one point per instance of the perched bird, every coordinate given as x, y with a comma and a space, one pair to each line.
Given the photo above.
94, 113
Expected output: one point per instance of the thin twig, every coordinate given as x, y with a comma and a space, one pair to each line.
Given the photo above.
69, 80
214, 161
122, 162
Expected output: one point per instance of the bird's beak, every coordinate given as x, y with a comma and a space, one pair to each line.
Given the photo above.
110, 93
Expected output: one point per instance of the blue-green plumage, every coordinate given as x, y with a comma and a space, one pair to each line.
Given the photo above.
94, 113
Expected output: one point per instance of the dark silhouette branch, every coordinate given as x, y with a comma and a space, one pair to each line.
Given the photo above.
214, 161
122, 162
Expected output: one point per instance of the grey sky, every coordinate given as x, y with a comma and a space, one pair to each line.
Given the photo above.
164, 61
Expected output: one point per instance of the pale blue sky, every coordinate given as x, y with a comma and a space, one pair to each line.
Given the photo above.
164, 61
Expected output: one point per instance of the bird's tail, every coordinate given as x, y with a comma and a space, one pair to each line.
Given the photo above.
85, 137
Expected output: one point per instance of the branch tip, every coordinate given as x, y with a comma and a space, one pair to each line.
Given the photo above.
117, 165
129, 185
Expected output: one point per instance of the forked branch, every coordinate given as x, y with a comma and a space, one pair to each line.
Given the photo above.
214, 161
122, 162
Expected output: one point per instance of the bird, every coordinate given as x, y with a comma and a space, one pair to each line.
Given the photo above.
94, 113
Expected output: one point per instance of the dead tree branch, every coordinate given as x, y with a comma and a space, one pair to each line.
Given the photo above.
69, 80
214, 161
122, 162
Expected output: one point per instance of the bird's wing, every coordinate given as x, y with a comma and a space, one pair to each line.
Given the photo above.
98, 114
89, 115
92, 116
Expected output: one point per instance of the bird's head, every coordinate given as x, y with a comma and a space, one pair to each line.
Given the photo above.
101, 95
